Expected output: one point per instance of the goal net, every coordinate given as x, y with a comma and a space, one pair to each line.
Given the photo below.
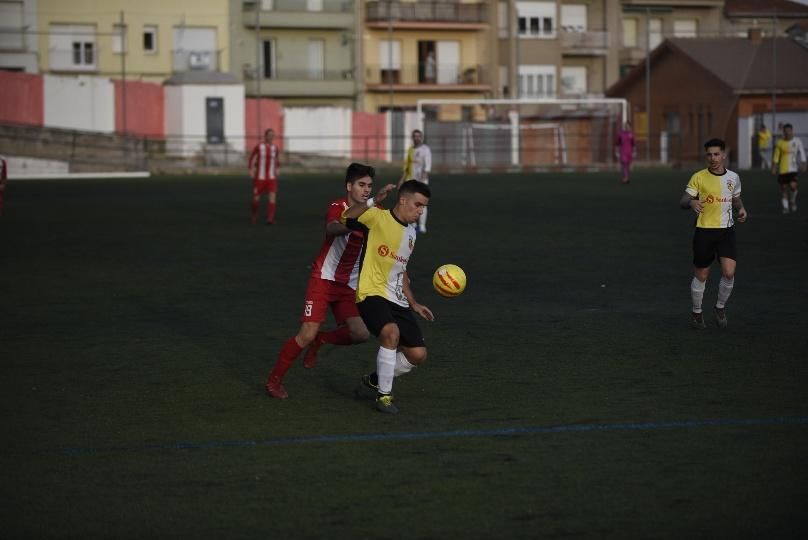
521, 133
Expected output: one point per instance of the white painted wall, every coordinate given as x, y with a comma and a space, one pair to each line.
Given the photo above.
318, 130
84, 103
185, 122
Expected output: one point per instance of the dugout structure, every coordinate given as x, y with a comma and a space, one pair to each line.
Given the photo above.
523, 133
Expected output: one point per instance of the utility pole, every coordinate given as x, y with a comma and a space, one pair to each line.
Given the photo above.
648, 85
258, 72
123, 38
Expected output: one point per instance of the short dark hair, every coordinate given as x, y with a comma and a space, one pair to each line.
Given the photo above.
788, 126
715, 142
269, 130
355, 171
414, 186
414, 131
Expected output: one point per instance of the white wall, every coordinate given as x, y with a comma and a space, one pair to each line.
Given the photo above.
318, 130
186, 127
84, 103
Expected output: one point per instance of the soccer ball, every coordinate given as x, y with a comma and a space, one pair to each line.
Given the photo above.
449, 280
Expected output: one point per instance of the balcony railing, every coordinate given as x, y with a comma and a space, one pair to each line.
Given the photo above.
300, 6
417, 74
383, 11
584, 40
302, 74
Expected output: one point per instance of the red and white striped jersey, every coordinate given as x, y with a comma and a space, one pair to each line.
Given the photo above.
339, 256
264, 161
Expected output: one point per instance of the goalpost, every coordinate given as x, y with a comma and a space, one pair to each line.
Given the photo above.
518, 133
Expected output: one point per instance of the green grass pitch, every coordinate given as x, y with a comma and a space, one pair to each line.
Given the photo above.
564, 394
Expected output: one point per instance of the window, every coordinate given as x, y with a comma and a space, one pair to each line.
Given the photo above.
267, 5
685, 28
118, 38
11, 13
314, 5
503, 80
72, 47
503, 26
269, 58
536, 81
390, 60
573, 80
150, 39
573, 17
316, 58
536, 19
629, 32
654, 32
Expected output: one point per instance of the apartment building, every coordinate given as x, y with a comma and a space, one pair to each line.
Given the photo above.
425, 50
300, 52
146, 40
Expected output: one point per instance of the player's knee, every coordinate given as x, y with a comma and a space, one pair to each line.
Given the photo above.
389, 336
360, 335
417, 356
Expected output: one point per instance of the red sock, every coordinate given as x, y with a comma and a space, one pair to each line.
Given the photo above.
338, 336
253, 210
287, 356
271, 212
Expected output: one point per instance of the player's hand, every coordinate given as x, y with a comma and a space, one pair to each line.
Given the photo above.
423, 311
382, 193
696, 205
741, 215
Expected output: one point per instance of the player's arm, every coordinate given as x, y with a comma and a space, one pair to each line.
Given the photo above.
737, 204
336, 228
356, 210
405, 174
420, 309
427, 162
776, 158
800, 155
689, 201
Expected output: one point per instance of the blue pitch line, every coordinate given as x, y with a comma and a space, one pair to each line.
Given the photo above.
364, 437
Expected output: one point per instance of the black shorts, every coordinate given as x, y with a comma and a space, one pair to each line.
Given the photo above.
707, 243
787, 178
377, 312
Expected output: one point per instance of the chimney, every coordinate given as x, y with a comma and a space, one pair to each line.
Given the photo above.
755, 35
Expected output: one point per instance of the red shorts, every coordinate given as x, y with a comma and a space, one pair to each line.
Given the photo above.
322, 293
265, 186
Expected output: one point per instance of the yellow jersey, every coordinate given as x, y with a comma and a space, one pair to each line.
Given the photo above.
388, 247
764, 138
418, 163
715, 192
788, 155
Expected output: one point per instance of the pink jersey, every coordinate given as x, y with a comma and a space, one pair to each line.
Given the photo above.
338, 259
625, 144
264, 161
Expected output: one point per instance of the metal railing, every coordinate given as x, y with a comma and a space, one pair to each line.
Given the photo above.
300, 6
584, 40
382, 11
444, 74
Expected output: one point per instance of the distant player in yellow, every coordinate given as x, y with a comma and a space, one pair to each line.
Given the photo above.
764, 137
789, 158
417, 166
384, 296
712, 194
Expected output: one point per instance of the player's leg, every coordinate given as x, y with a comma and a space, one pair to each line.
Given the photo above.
727, 257
785, 190
412, 347
792, 200
258, 187
378, 316
272, 199
350, 327
703, 255
314, 311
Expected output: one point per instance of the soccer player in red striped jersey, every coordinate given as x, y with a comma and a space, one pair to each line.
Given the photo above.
264, 164
332, 283
3, 176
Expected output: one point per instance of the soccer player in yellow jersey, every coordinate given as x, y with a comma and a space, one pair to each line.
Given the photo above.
417, 166
789, 157
384, 296
712, 194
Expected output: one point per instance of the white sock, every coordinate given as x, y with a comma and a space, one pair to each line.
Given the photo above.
697, 293
784, 200
794, 196
402, 365
385, 367
422, 221
724, 290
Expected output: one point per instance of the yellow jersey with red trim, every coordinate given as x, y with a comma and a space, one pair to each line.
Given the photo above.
715, 191
388, 247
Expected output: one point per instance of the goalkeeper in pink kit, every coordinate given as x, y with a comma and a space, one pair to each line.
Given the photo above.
625, 150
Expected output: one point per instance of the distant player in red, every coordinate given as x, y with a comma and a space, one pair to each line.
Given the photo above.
332, 283
264, 165
3, 177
